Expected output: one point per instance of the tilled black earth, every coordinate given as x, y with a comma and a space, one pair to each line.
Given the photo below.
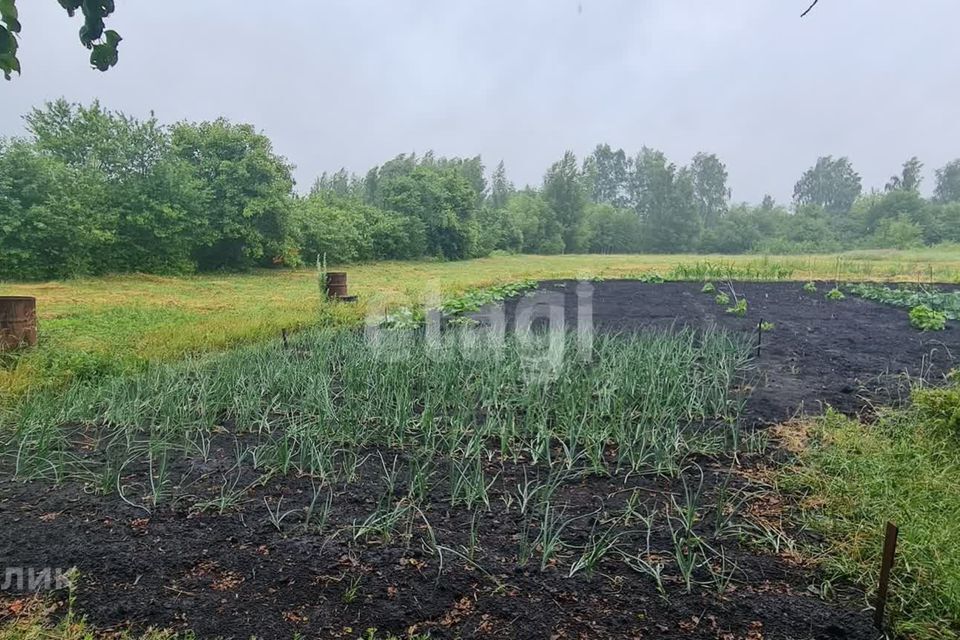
848, 354
236, 575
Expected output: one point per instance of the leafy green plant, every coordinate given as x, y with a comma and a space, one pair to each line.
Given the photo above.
652, 278
456, 308
810, 287
722, 298
708, 288
739, 309
767, 326
475, 299
835, 294
947, 302
924, 318
404, 318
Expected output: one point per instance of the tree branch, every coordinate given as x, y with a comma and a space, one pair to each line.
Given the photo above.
809, 9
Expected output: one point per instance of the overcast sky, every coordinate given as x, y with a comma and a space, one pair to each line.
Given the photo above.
354, 82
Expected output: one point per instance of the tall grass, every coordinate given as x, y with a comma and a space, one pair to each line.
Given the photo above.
903, 468
706, 270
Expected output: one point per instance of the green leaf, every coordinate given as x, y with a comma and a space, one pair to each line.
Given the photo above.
104, 56
9, 63
113, 38
8, 43
9, 15
71, 6
91, 31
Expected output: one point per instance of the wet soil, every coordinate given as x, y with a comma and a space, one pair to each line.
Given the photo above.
237, 575
850, 354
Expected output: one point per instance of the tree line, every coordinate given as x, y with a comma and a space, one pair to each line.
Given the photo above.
89, 191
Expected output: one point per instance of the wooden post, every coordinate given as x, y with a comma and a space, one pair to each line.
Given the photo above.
889, 554
759, 336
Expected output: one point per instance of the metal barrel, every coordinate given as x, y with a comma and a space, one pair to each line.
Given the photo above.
18, 322
337, 284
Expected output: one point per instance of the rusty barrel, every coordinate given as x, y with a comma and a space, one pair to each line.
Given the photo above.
337, 285
18, 322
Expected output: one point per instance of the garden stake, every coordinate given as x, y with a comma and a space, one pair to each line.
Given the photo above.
759, 336
889, 553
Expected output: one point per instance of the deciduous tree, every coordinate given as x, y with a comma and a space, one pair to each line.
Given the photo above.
831, 184
710, 189
948, 183
607, 173
563, 193
248, 187
910, 177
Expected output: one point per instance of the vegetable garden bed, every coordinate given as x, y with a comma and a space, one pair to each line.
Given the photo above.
336, 486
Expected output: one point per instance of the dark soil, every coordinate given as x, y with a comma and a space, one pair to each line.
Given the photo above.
849, 354
236, 575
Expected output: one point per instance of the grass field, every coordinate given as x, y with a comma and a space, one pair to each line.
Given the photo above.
101, 326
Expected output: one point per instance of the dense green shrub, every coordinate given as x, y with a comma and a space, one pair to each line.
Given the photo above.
52, 219
248, 189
